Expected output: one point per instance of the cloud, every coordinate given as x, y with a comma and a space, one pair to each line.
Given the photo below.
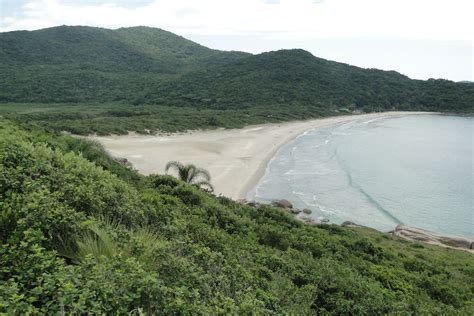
271, 1
282, 19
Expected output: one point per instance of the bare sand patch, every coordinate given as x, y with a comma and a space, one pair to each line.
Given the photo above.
236, 158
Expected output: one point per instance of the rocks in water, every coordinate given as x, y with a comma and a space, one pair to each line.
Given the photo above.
124, 161
418, 234
350, 224
311, 221
286, 205
307, 211
252, 204
282, 204
458, 242
308, 220
294, 211
248, 203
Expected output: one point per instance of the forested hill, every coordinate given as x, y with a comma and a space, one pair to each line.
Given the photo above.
284, 77
77, 63
85, 80
134, 49
288, 77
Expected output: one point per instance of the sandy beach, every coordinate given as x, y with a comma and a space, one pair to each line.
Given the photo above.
236, 158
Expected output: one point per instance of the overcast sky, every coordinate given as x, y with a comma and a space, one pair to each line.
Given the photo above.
420, 38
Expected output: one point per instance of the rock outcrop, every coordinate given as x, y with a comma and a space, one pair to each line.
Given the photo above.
401, 231
282, 204
418, 234
308, 220
350, 224
250, 203
124, 161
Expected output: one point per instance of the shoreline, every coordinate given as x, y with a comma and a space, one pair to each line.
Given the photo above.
236, 158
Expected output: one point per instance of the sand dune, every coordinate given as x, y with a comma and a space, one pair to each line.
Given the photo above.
236, 158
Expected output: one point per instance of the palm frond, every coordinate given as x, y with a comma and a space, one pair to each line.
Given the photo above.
93, 241
204, 185
191, 174
173, 164
149, 242
203, 173
96, 243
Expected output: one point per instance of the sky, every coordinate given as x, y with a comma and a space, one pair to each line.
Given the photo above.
419, 38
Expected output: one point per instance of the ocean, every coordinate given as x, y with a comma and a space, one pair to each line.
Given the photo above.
416, 170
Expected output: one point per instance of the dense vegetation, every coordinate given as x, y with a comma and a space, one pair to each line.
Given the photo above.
84, 79
119, 118
295, 77
80, 232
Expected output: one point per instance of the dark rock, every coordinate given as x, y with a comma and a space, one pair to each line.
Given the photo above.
308, 221
282, 203
307, 211
294, 211
124, 161
252, 203
349, 224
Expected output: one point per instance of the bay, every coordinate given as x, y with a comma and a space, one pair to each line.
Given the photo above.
415, 170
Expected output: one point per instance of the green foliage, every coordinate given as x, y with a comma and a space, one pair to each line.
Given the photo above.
191, 174
286, 78
102, 118
90, 80
94, 241
77, 238
81, 232
76, 64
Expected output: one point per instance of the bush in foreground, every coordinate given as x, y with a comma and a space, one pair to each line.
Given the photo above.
77, 238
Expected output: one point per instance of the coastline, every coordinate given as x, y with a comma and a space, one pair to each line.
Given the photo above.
236, 158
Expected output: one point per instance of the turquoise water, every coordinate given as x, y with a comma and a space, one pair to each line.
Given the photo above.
415, 170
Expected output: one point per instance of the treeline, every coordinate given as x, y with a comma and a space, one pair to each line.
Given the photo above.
120, 118
81, 233
294, 77
145, 66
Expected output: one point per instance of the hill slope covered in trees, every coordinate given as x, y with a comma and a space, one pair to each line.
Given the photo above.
81, 233
73, 64
141, 72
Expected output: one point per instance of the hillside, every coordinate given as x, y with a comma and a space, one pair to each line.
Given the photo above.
79, 63
291, 76
287, 77
81, 233
141, 73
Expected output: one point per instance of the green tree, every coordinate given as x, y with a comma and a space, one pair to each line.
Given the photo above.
191, 174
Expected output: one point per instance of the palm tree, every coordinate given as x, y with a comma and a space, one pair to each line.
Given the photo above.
191, 174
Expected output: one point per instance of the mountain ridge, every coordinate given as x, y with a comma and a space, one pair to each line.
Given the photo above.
156, 69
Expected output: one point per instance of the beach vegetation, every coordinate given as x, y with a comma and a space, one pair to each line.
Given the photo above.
191, 174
